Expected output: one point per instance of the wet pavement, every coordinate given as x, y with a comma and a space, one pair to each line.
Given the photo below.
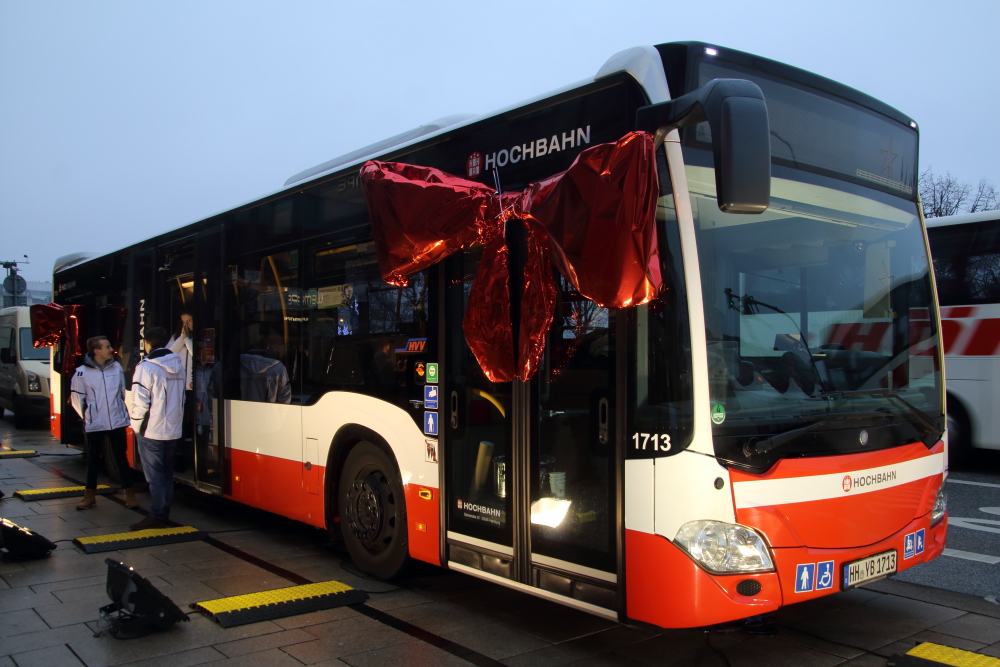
49, 607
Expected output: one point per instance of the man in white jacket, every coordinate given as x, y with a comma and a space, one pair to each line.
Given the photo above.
157, 412
98, 396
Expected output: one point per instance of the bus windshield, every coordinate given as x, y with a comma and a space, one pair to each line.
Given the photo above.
818, 310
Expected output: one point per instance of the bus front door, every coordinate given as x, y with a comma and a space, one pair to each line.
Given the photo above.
530, 467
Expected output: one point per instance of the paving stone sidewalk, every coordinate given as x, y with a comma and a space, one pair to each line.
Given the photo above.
49, 607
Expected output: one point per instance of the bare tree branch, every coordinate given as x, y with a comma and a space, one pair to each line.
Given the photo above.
942, 195
985, 197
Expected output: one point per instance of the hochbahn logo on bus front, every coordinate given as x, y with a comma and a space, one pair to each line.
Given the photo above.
886, 477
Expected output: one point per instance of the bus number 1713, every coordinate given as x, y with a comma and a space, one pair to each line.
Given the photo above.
657, 442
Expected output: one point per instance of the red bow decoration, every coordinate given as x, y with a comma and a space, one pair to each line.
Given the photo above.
52, 324
595, 222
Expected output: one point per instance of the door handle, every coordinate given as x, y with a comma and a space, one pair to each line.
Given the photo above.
603, 417
454, 409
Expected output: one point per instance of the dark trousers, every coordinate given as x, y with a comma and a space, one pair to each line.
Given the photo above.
95, 455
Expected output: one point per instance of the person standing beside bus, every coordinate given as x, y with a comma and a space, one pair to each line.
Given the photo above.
181, 343
157, 410
98, 396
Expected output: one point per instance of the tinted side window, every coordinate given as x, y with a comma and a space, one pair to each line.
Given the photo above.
265, 306
967, 263
362, 333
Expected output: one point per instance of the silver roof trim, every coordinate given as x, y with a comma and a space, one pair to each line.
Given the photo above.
963, 218
381, 146
645, 66
72, 259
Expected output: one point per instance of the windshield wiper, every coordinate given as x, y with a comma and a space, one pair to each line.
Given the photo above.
930, 428
758, 446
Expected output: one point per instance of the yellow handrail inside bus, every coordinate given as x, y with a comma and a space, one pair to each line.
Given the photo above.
495, 402
281, 295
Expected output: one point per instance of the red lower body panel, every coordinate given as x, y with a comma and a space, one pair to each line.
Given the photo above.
424, 523
275, 485
55, 426
789, 560
280, 486
666, 588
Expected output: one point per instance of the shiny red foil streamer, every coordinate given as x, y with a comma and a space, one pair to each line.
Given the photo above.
72, 347
595, 222
421, 215
53, 324
48, 322
537, 304
487, 315
600, 218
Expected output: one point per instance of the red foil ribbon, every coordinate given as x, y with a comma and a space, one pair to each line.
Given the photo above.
72, 348
53, 324
48, 322
595, 222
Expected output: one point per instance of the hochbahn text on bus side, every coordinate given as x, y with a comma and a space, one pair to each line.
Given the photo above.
766, 429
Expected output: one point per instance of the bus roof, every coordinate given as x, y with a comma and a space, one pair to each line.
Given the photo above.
963, 218
642, 62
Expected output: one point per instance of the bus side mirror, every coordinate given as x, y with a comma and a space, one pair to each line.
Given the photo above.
741, 138
6, 356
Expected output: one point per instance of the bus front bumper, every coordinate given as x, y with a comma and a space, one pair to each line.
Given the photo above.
665, 587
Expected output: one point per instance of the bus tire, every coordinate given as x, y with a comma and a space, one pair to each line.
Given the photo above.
959, 434
372, 511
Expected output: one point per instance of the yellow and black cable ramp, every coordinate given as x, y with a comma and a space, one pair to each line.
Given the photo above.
138, 538
18, 454
63, 492
281, 602
935, 655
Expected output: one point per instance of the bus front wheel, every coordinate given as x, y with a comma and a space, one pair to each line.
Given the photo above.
372, 511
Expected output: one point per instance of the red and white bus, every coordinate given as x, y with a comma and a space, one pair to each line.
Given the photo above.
966, 252
765, 429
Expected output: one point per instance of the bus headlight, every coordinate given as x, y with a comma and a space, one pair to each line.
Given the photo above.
34, 384
940, 506
725, 548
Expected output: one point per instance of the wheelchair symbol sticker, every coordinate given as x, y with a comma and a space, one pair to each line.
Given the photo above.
824, 575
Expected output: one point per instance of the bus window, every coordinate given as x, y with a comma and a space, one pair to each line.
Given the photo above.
361, 334
267, 306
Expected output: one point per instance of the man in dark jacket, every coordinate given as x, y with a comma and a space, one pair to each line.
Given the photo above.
98, 396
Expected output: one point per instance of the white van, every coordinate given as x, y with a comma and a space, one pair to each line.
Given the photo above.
24, 369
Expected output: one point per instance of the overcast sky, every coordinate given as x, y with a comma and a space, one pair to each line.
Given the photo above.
121, 120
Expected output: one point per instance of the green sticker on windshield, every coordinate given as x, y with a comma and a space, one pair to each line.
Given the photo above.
718, 413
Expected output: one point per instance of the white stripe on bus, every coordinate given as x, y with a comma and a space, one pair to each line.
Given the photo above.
767, 492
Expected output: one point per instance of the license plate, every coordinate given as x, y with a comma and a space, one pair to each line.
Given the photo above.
869, 569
